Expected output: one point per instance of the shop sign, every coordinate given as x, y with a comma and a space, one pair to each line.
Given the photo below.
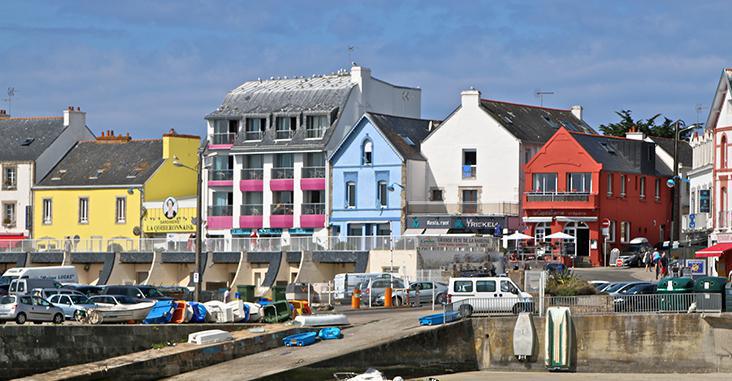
697, 266
450, 222
704, 201
169, 218
270, 231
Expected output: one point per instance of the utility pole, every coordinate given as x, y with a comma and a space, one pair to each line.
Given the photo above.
199, 218
675, 191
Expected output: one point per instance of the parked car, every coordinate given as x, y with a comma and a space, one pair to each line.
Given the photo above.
176, 292
598, 284
426, 290
494, 294
555, 267
139, 292
72, 304
345, 284
624, 287
376, 288
629, 299
632, 252
613, 287
26, 286
22, 308
85, 289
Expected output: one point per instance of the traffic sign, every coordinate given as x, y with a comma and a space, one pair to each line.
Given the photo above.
195, 277
606, 223
692, 221
619, 262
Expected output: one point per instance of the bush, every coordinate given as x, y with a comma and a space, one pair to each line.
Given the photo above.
567, 284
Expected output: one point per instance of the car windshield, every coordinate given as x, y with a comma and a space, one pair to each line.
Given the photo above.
126, 300
79, 299
8, 299
6, 279
152, 292
615, 287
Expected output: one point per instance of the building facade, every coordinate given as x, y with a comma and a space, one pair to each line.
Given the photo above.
475, 159
29, 148
377, 170
268, 145
577, 181
697, 223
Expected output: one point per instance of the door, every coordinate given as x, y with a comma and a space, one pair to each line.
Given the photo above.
42, 309
470, 201
583, 242
425, 293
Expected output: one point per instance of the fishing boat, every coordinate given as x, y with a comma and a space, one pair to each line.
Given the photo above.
300, 339
440, 318
161, 313
239, 309
255, 311
321, 320
219, 311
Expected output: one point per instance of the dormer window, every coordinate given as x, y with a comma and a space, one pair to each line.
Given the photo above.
255, 128
285, 127
224, 131
315, 126
368, 149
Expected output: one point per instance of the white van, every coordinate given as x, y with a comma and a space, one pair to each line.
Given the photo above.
488, 295
345, 283
61, 274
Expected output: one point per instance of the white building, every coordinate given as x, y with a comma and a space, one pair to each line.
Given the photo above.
698, 227
29, 149
476, 157
268, 143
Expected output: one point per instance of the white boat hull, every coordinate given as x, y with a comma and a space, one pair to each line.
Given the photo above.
321, 320
118, 313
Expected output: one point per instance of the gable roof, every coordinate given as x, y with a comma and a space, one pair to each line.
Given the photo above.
533, 124
620, 154
401, 131
25, 139
100, 163
685, 150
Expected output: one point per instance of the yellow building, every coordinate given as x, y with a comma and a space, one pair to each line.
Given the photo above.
94, 198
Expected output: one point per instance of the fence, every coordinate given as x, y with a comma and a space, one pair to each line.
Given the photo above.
592, 304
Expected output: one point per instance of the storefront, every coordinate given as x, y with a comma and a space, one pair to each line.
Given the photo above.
438, 225
172, 220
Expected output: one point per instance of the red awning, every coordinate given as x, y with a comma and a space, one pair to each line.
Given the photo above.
12, 237
715, 250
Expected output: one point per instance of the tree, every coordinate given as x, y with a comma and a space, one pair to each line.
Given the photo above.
647, 126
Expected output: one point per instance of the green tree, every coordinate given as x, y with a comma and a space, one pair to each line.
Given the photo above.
646, 126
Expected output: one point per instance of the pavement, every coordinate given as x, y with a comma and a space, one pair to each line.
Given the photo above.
541, 376
615, 274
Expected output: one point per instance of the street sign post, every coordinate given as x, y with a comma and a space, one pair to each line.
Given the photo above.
195, 277
606, 234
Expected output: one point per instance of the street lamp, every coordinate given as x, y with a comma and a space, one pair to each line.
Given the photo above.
675, 204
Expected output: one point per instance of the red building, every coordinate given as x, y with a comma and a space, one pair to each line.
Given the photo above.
577, 181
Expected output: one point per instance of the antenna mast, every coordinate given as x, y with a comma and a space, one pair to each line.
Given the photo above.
540, 94
9, 99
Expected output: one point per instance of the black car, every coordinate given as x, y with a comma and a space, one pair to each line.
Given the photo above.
631, 299
86, 289
137, 291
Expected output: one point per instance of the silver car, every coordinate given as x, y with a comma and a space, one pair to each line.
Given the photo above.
73, 305
426, 291
22, 308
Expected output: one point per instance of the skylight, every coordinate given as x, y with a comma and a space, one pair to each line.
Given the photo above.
27, 141
407, 140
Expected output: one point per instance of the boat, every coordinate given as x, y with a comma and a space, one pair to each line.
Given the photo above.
199, 312
239, 309
161, 313
119, 313
523, 336
330, 333
255, 311
369, 375
300, 339
188, 314
439, 318
321, 320
179, 315
219, 311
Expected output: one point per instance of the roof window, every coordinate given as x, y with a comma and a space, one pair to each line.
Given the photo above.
407, 140
27, 141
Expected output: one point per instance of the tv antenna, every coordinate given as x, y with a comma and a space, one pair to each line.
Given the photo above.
350, 53
540, 94
699, 108
9, 99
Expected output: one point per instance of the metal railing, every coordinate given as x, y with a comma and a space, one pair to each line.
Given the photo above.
253, 135
313, 172
284, 134
281, 209
314, 132
252, 209
283, 173
220, 174
470, 208
252, 174
223, 138
560, 197
313, 208
220, 210
440, 207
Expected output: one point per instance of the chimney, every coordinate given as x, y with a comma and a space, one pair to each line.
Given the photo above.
470, 98
634, 134
577, 111
74, 118
109, 137
4, 114
360, 74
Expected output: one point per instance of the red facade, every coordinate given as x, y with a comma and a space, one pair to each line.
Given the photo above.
577, 205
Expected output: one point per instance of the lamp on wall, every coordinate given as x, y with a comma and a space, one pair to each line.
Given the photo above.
391, 188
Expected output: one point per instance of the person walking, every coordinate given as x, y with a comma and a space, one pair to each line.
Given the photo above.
656, 262
664, 265
647, 260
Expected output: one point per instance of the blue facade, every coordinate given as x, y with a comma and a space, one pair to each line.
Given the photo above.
366, 163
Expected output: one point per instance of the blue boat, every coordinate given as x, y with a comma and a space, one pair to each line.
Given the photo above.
199, 312
300, 339
161, 313
440, 318
330, 333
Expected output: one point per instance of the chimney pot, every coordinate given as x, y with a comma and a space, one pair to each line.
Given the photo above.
470, 98
577, 111
78, 108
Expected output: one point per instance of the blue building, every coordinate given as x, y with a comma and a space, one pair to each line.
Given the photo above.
376, 169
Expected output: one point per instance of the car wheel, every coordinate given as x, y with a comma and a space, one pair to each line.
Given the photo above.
20, 319
440, 299
58, 319
396, 301
466, 310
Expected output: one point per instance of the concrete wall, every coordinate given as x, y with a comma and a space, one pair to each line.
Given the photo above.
406, 260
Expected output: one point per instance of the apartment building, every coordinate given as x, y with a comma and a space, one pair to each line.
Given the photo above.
697, 223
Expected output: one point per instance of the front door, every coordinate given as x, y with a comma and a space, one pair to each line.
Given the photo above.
583, 242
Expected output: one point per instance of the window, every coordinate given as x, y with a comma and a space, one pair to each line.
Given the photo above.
436, 194
9, 214
657, 189
579, 182
368, 148
545, 182
350, 194
84, 210
315, 126
485, 286
224, 131
285, 127
643, 187
470, 163
624, 231
609, 184
611, 232
383, 230
463, 286
382, 193
470, 201
10, 177
255, 128
121, 210
622, 185
723, 152
47, 211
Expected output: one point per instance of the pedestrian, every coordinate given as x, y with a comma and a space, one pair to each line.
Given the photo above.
664, 264
654, 259
647, 260
226, 295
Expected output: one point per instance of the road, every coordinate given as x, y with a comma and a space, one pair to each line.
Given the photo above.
542, 376
614, 274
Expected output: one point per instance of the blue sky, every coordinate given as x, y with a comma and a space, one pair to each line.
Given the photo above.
147, 66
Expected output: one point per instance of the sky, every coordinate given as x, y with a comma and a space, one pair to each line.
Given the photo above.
145, 67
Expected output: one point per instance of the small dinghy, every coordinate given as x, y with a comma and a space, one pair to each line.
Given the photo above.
330, 333
321, 320
199, 312
179, 315
441, 318
220, 312
239, 309
255, 311
300, 339
161, 313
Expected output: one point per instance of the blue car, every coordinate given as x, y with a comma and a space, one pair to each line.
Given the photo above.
73, 305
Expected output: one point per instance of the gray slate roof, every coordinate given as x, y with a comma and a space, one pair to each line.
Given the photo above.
15, 131
685, 150
533, 124
620, 154
396, 128
111, 163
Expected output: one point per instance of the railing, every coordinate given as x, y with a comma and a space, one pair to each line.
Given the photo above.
220, 174
286, 134
281, 209
252, 209
253, 135
220, 210
10, 186
223, 138
469, 172
439, 207
313, 208
283, 173
252, 174
313, 172
314, 133
560, 197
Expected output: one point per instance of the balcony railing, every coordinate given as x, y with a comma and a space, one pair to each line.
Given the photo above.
556, 197
220, 210
439, 207
220, 174
314, 133
253, 135
282, 173
313, 208
284, 134
313, 172
252, 209
223, 138
10, 185
252, 174
281, 209
469, 171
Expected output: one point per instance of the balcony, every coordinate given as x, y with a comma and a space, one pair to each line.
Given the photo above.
282, 216
284, 134
251, 180
220, 217
313, 178
559, 197
222, 140
313, 215
220, 177
282, 179
439, 207
253, 135
251, 216
566, 200
220, 210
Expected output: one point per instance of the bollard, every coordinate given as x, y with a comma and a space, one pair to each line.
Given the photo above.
387, 297
356, 299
